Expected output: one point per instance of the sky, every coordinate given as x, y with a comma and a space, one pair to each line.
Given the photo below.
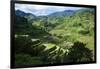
42, 9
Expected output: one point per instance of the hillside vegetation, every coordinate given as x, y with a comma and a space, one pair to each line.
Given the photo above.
61, 37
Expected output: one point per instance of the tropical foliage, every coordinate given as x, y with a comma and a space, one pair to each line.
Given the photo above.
64, 37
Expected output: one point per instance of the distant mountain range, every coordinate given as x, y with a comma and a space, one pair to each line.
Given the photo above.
62, 13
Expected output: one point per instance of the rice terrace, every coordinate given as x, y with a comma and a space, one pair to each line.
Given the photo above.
53, 34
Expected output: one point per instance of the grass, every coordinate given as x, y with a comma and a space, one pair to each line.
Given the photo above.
89, 40
72, 35
48, 45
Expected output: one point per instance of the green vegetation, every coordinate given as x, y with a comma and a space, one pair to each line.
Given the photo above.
56, 38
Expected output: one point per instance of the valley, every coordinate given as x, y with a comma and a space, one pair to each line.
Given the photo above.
60, 37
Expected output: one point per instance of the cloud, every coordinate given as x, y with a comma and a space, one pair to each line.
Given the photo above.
42, 9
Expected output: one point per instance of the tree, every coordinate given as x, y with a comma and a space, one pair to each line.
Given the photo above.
79, 53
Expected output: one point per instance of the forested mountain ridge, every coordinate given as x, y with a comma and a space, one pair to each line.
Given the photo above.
60, 37
22, 13
62, 13
30, 17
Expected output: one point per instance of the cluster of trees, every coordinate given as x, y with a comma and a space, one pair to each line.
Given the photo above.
29, 52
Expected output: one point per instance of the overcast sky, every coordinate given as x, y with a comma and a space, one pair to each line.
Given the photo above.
42, 9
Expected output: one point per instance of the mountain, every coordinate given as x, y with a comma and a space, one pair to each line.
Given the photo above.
30, 17
54, 38
62, 13
86, 10
20, 13
23, 14
61, 20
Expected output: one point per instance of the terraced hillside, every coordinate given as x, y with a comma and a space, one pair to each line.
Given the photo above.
60, 37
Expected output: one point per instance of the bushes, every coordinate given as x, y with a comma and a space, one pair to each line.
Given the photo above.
28, 53
23, 45
79, 53
26, 59
84, 31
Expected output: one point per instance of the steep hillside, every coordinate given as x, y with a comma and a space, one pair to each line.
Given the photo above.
60, 37
78, 27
